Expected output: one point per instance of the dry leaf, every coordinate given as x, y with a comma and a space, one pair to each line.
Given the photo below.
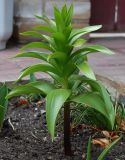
110, 135
40, 102
123, 125
102, 142
122, 122
106, 134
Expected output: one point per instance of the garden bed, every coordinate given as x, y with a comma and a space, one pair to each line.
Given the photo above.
30, 139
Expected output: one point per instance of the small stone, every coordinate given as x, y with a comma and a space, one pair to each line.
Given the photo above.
83, 156
36, 117
36, 109
45, 139
49, 157
42, 111
76, 153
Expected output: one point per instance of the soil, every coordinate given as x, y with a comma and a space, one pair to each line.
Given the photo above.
30, 140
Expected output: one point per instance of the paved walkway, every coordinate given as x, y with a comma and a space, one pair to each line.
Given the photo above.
112, 67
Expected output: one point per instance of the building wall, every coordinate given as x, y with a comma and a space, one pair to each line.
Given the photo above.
26, 9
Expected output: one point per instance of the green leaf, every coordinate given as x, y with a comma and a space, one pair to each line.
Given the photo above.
86, 69
60, 56
39, 55
3, 103
76, 33
58, 19
54, 101
92, 49
37, 68
93, 100
36, 45
36, 34
59, 39
89, 150
64, 12
79, 42
2, 115
44, 28
3, 93
50, 22
99, 48
107, 110
69, 68
97, 86
68, 18
36, 87
106, 151
32, 33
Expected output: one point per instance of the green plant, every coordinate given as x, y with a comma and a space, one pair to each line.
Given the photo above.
3, 103
67, 57
104, 152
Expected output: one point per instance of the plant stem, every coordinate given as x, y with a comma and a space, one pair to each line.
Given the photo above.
67, 144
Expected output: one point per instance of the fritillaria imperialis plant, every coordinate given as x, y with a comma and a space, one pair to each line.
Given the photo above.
66, 63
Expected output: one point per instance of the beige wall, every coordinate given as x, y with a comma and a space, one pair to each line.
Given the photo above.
26, 9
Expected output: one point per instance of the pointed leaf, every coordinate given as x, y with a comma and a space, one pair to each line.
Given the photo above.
60, 56
92, 100
108, 109
54, 101
39, 55
36, 34
64, 11
58, 19
50, 22
36, 45
32, 33
33, 87
37, 68
43, 28
86, 69
68, 18
80, 32
92, 49
79, 42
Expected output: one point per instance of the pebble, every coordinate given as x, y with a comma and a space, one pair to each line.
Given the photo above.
42, 111
83, 156
37, 116
45, 139
76, 153
49, 157
36, 109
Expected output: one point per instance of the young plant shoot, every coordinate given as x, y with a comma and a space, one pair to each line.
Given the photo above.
65, 61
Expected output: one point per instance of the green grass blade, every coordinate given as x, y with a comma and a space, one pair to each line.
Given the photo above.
89, 150
106, 151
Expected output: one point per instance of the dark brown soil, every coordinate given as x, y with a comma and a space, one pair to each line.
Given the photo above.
30, 139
